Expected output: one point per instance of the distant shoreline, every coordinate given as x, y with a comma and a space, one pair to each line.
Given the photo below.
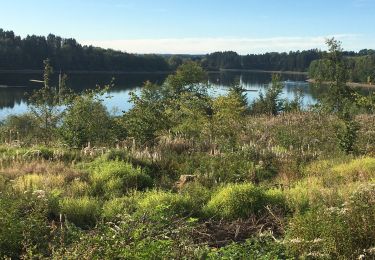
350, 84
268, 71
148, 72
86, 72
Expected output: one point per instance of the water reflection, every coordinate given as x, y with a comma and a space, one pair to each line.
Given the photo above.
13, 87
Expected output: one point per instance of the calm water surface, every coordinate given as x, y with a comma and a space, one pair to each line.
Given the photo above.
14, 86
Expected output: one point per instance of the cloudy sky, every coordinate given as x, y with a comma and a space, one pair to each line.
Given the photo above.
196, 26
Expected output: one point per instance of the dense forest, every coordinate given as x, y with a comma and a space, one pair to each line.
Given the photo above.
187, 175
67, 54
292, 61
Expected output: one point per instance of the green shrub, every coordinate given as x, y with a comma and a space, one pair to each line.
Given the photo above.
236, 201
117, 207
198, 196
134, 237
78, 188
116, 155
261, 247
3, 183
361, 169
23, 224
165, 203
86, 120
115, 178
345, 231
276, 198
83, 212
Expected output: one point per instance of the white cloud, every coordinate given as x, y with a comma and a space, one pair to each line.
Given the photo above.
208, 45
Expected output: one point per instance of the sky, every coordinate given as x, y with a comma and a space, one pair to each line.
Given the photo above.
196, 26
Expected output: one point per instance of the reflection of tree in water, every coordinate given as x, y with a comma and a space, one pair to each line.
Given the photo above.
249, 78
15, 94
10, 97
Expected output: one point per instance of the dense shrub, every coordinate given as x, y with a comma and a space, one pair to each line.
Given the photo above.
164, 203
83, 212
23, 224
236, 201
345, 231
198, 196
78, 188
362, 169
21, 128
86, 120
262, 247
134, 237
115, 178
116, 208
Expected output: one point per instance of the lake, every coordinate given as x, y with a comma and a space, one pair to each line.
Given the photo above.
13, 87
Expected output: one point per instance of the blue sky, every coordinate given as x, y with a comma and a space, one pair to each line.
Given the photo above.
196, 26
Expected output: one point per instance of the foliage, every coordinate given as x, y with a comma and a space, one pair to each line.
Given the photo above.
87, 121
67, 54
45, 106
273, 61
332, 232
23, 128
83, 212
23, 224
263, 247
236, 201
164, 203
270, 103
115, 178
278, 183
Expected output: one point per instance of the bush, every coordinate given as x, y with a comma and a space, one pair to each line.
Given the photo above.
276, 198
78, 188
259, 247
20, 127
115, 178
115, 208
198, 196
83, 212
236, 201
87, 120
345, 231
23, 224
164, 203
362, 169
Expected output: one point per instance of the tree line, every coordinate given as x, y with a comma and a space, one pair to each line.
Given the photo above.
18, 53
292, 61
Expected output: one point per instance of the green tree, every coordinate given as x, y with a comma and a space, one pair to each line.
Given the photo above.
228, 119
270, 103
44, 106
87, 120
189, 77
340, 98
146, 118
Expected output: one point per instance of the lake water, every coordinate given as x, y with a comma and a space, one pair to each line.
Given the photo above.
13, 87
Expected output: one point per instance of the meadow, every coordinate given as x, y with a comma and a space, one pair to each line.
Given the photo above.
183, 175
